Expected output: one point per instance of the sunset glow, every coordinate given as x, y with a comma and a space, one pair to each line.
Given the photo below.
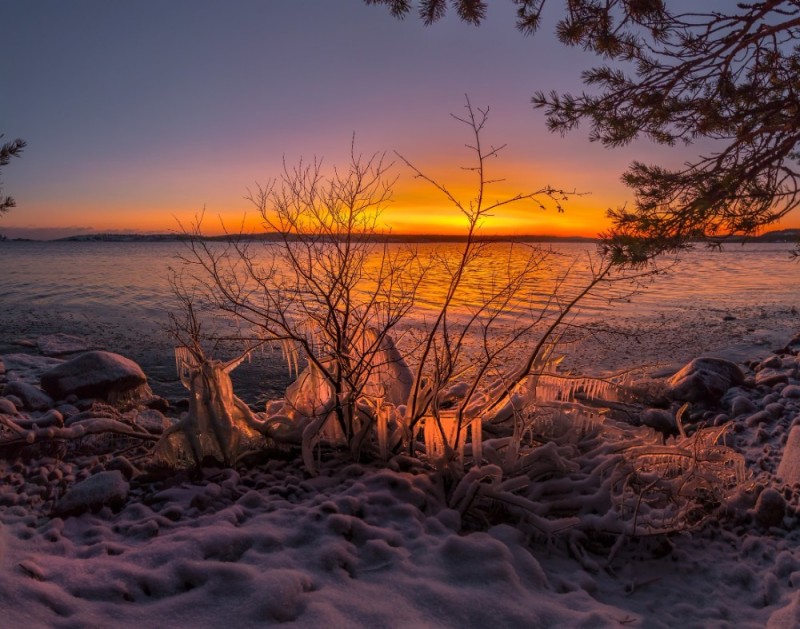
124, 136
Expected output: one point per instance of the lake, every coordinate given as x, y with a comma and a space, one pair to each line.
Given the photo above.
118, 296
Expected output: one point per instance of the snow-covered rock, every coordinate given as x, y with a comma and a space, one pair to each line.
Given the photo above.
742, 405
32, 397
770, 508
704, 380
102, 489
93, 374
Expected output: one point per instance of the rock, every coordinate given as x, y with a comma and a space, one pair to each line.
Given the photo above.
659, 419
123, 465
93, 374
32, 397
2, 368
771, 362
7, 407
770, 508
789, 468
67, 410
17, 402
775, 409
770, 377
152, 421
103, 489
792, 391
741, 405
158, 403
29, 367
704, 380
757, 418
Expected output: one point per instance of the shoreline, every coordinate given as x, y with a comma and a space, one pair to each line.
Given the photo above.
268, 543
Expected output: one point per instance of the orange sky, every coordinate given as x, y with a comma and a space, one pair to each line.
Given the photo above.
133, 119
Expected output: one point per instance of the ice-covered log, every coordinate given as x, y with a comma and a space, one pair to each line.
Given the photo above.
218, 425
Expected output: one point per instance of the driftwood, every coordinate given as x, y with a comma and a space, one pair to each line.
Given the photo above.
97, 425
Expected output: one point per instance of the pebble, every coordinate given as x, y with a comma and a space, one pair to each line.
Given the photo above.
771, 377
7, 407
791, 391
742, 405
775, 409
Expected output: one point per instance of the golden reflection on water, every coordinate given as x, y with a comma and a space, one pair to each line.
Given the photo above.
130, 280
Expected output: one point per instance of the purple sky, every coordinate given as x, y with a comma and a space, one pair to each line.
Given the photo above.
139, 112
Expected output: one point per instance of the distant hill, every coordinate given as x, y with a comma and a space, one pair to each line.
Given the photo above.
272, 237
780, 235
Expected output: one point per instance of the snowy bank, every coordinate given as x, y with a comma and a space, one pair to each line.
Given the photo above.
372, 545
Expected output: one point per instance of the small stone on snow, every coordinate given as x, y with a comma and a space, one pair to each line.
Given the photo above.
704, 380
102, 489
770, 508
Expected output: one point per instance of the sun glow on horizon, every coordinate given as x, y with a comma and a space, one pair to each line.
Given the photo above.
416, 208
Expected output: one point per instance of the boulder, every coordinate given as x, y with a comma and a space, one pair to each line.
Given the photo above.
32, 397
704, 380
101, 490
93, 374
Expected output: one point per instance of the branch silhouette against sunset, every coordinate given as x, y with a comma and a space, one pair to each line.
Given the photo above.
314, 313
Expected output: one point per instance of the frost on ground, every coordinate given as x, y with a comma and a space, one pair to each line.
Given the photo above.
87, 539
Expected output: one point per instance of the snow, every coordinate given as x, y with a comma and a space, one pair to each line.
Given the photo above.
369, 545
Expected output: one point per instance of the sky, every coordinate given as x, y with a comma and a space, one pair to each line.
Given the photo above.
140, 115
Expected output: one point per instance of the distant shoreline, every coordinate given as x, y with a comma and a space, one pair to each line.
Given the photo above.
778, 236
273, 237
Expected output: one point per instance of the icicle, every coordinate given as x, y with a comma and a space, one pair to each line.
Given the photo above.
382, 428
477, 440
434, 444
185, 364
291, 356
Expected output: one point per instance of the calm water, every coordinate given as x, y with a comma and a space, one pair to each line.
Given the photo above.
129, 280
118, 293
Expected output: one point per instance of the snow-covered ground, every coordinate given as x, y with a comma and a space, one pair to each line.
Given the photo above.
369, 545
